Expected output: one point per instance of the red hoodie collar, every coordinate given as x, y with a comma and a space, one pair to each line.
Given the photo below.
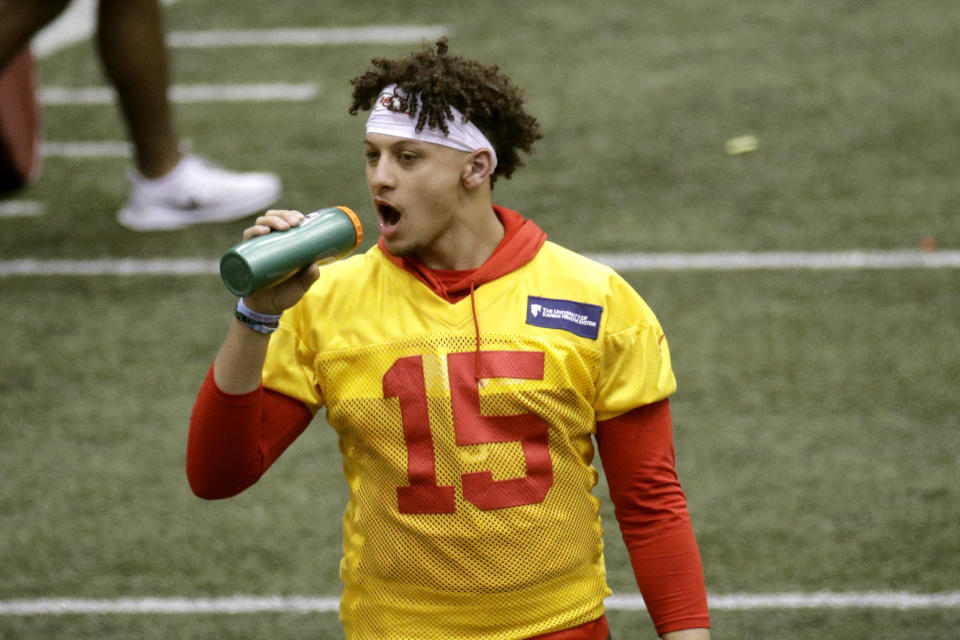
522, 239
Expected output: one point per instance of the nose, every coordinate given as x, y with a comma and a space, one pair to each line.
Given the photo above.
380, 176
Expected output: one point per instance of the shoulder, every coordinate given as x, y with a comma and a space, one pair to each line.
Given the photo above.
351, 276
566, 268
597, 282
345, 287
568, 259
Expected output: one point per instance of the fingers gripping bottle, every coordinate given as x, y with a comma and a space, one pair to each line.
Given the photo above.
324, 236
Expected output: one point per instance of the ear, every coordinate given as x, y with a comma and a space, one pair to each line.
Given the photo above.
477, 169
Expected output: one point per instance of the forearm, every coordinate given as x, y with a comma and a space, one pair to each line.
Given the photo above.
233, 439
224, 447
237, 427
688, 634
637, 454
224, 455
238, 367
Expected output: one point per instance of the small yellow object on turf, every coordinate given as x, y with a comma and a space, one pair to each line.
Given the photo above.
742, 144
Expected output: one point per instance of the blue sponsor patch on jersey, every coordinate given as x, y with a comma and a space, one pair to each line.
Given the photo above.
579, 318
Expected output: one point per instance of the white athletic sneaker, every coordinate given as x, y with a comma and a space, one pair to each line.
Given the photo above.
195, 192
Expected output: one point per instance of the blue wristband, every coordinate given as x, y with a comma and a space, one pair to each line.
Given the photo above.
264, 323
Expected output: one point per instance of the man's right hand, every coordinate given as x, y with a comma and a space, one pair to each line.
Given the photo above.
276, 299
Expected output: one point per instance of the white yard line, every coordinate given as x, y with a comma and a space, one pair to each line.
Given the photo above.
307, 604
622, 262
92, 149
232, 604
21, 208
832, 600
308, 37
189, 93
78, 23
109, 267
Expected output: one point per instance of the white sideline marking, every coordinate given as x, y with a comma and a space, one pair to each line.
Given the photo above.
309, 37
233, 604
725, 260
304, 604
118, 267
622, 262
189, 93
818, 600
22, 208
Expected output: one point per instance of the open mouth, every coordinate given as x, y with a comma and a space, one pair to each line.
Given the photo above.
389, 216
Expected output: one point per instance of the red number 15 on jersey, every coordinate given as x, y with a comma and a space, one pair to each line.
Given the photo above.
405, 381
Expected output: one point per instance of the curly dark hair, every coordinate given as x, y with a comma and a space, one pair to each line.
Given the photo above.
436, 81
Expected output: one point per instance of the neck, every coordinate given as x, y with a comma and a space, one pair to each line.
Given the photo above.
469, 243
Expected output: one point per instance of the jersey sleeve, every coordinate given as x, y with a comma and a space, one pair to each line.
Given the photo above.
289, 365
635, 369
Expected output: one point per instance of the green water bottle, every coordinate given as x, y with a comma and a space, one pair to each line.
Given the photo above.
324, 236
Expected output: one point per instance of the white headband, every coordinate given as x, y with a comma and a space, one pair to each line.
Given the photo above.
387, 118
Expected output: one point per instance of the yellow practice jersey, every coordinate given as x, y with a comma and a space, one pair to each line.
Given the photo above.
470, 513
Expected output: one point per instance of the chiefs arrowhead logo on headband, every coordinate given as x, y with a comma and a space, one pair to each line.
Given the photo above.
392, 116
394, 102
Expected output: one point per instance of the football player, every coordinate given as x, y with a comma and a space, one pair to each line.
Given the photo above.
468, 366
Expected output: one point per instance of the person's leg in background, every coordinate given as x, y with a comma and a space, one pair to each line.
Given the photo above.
170, 191
20, 20
134, 56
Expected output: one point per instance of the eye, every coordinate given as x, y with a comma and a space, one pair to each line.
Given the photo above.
372, 156
407, 157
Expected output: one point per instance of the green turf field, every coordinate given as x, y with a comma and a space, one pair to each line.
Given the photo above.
817, 414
